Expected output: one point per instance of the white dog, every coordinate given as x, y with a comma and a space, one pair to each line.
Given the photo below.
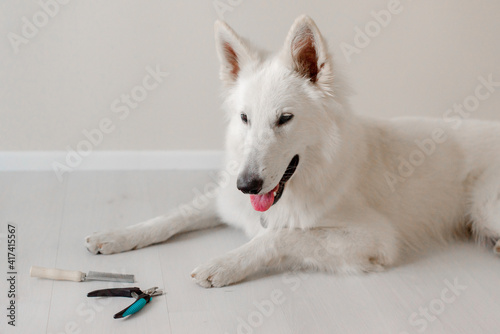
319, 187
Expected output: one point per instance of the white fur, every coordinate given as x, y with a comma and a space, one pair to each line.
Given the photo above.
338, 212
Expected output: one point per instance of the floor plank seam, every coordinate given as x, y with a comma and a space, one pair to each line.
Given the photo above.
61, 224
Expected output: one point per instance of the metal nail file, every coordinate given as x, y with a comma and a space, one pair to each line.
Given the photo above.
78, 276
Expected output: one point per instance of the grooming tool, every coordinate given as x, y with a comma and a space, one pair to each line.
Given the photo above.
141, 298
78, 276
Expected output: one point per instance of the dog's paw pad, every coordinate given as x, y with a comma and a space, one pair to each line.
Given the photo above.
92, 243
374, 264
107, 242
201, 280
215, 275
496, 249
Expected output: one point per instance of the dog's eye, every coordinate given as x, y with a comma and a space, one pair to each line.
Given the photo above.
244, 118
284, 118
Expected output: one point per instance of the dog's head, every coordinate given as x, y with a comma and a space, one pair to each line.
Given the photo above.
277, 107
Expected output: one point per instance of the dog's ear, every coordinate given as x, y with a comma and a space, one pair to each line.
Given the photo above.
307, 53
233, 52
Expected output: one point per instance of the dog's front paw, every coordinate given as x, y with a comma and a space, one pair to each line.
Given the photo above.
496, 249
110, 242
217, 273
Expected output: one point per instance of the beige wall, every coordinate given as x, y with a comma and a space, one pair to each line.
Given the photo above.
65, 77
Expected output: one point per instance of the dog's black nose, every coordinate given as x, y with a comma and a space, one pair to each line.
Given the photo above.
249, 183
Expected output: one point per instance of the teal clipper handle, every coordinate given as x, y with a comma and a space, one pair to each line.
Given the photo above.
141, 301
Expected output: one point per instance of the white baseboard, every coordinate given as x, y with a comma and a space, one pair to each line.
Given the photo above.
111, 160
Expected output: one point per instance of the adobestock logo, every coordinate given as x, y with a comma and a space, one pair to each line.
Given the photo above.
138, 93
222, 6
453, 119
263, 309
31, 28
373, 28
266, 308
430, 313
121, 107
202, 199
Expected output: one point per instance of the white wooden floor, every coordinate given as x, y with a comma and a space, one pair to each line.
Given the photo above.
53, 218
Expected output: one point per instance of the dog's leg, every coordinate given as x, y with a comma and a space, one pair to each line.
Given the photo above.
344, 250
485, 209
153, 231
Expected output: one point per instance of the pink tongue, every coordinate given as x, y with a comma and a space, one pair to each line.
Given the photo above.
263, 202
